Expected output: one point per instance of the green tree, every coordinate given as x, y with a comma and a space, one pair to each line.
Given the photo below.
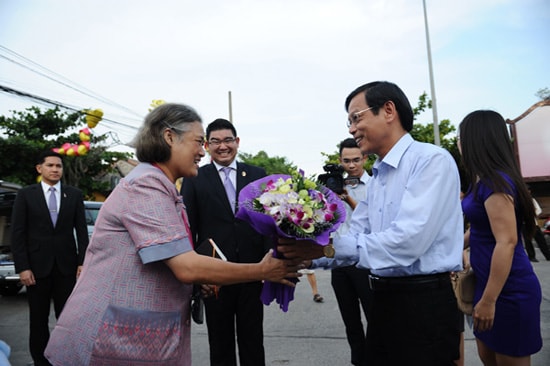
425, 133
420, 132
543, 94
272, 165
26, 133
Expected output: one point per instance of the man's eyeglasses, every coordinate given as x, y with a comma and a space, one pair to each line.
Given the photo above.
227, 141
353, 118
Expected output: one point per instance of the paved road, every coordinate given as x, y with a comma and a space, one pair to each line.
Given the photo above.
312, 334
309, 334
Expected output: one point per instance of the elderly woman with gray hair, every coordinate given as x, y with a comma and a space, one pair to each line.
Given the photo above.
131, 303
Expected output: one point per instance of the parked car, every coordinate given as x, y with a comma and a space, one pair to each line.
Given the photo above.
92, 210
546, 227
9, 280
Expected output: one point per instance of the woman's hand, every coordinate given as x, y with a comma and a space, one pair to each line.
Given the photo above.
280, 270
484, 315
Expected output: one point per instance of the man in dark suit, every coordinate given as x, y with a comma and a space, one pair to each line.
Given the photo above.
45, 218
211, 210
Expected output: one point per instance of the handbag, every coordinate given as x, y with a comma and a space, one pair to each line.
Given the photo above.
464, 286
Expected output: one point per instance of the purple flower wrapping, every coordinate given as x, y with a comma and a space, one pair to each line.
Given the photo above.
265, 224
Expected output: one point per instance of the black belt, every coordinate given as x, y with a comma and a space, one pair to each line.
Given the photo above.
409, 283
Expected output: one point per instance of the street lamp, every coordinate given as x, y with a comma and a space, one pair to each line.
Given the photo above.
432, 84
230, 106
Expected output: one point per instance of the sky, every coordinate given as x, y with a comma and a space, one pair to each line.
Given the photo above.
289, 64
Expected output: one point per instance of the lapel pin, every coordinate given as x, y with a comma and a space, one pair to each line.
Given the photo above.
243, 174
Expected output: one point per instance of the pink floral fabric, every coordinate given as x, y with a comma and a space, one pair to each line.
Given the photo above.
127, 307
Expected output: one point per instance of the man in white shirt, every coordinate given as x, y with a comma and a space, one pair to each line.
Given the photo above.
350, 283
408, 232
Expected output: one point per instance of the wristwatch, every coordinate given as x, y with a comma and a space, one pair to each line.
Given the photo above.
328, 251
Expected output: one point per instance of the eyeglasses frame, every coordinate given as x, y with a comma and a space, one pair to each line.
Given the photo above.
355, 117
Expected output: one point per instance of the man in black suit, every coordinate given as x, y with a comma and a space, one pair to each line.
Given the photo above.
46, 255
211, 212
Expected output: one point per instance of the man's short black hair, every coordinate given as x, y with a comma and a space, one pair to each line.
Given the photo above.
44, 154
220, 124
349, 143
378, 93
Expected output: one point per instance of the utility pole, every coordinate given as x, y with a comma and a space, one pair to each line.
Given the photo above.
230, 107
432, 84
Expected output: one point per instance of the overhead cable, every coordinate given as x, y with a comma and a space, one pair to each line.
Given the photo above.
64, 81
47, 101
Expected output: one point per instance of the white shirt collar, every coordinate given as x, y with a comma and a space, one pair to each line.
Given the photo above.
393, 157
365, 177
233, 165
46, 187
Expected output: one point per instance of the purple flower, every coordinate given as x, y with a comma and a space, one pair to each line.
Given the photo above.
289, 206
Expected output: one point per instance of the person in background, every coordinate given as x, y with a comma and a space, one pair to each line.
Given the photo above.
350, 283
312, 279
538, 236
460, 315
499, 208
211, 200
408, 232
5, 351
49, 239
131, 305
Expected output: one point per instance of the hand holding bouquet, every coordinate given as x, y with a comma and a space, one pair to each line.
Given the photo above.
289, 206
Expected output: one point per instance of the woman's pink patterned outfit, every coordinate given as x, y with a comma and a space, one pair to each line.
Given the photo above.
128, 308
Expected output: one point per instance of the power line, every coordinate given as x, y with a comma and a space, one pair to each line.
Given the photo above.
47, 101
60, 79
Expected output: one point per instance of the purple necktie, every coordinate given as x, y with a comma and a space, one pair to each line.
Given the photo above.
229, 188
52, 205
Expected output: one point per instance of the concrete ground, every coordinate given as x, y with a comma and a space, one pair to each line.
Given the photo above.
312, 334
309, 334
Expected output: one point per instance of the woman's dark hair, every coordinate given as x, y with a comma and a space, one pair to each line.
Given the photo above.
149, 142
487, 153
378, 93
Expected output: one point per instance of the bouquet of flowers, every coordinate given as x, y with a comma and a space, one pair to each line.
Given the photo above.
289, 206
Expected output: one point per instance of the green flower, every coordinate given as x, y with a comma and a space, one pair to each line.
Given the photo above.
309, 184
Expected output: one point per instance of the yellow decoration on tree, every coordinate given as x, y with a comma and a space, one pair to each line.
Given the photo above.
155, 103
93, 117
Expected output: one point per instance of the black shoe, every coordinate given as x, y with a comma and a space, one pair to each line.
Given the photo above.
533, 259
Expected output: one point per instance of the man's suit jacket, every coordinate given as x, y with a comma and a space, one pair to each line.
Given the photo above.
36, 243
210, 215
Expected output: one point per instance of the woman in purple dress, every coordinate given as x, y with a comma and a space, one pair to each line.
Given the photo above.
130, 305
498, 206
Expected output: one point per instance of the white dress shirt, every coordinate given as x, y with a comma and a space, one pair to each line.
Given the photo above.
411, 222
